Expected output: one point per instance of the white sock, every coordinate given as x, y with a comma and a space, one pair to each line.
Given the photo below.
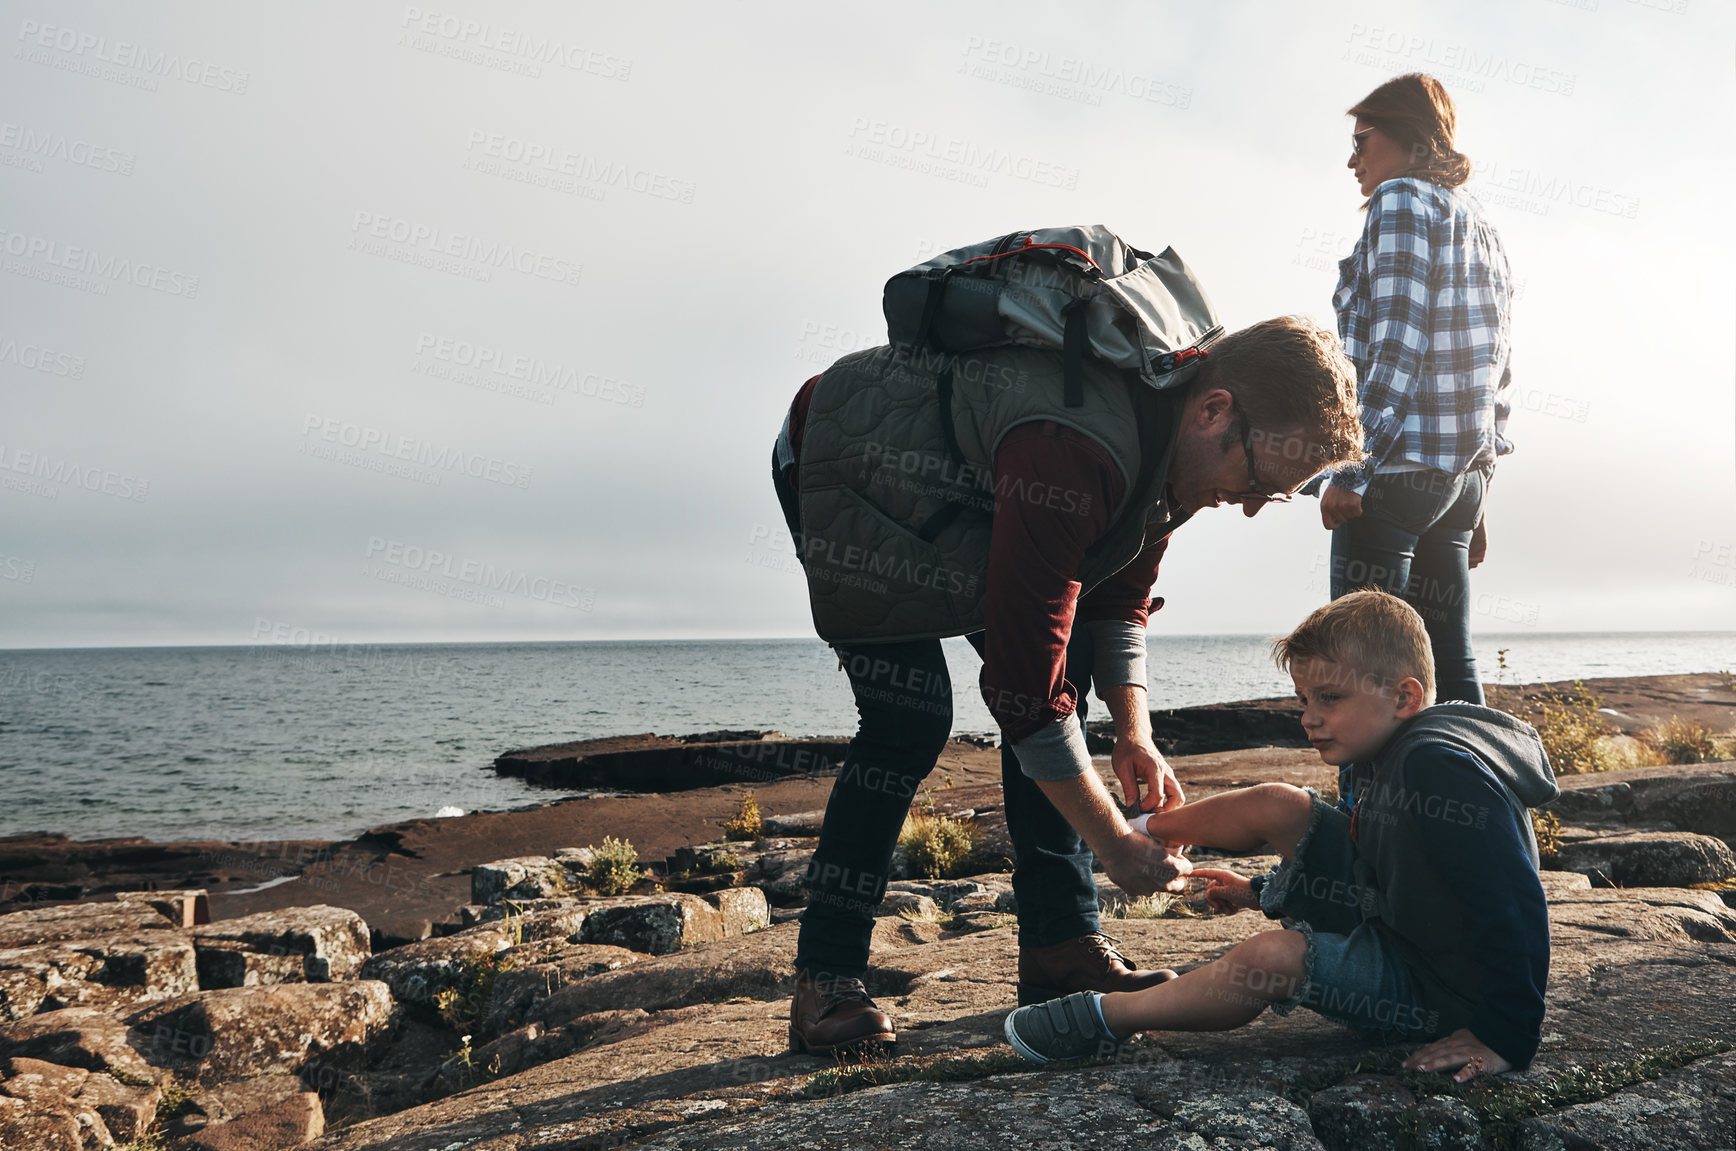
1097, 1006
1142, 824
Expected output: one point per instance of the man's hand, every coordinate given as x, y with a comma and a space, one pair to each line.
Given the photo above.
1227, 892
1480, 542
1459, 1051
1136, 760
1140, 866
1338, 506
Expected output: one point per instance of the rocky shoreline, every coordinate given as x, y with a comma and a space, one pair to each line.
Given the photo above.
453, 984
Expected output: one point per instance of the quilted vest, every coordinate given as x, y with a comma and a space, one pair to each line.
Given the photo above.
896, 520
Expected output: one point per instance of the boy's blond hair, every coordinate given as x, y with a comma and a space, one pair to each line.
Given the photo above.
1373, 634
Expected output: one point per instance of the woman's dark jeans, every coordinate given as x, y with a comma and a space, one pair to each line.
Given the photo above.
904, 701
1413, 539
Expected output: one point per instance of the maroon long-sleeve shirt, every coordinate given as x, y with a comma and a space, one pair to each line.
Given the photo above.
1031, 599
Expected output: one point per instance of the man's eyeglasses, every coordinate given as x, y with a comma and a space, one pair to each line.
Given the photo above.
1254, 495
1356, 141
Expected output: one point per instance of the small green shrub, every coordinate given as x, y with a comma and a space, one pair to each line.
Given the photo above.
614, 867
746, 824
1548, 829
462, 1005
938, 847
1573, 732
1680, 741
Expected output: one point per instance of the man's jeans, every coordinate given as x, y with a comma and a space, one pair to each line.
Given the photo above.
904, 701
1413, 539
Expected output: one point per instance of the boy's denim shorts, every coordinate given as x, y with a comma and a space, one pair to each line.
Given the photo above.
1351, 972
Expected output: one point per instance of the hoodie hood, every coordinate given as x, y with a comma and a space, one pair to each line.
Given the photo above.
1509, 747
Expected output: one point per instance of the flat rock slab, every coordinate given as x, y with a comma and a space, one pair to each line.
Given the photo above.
242, 1032
101, 971
325, 942
518, 990
287, 1124
1649, 859
527, 877
126, 1112
662, 763
42, 1128
660, 924
76, 1037
417, 972
1080, 1110
1687, 1110
77, 921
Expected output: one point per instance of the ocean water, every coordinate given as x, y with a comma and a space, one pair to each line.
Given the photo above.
286, 742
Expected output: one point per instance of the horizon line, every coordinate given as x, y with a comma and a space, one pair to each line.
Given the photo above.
321, 641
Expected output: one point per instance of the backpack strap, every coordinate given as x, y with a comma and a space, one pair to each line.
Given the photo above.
942, 519
1073, 353
1153, 409
937, 278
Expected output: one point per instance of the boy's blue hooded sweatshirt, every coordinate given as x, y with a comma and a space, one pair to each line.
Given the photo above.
1444, 842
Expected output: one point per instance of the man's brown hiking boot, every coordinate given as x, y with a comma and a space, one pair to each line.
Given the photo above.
1088, 963
831, 1014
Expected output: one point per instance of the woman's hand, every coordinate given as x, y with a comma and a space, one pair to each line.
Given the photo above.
1459, 1051
1338, 506
1479, 542
1227, 892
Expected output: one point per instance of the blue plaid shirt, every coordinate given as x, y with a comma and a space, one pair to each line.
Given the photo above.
1422, 305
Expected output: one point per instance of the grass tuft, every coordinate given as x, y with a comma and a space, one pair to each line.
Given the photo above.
938, 847
877, 1070
614, 867
1679, 741
463, 1005
746, 823
1547, 826
1574, 735
1161, 905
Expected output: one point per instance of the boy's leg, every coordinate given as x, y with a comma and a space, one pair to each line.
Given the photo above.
1269, 968
1228, 992
1241, 820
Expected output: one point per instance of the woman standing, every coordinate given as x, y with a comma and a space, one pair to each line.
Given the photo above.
1422, 305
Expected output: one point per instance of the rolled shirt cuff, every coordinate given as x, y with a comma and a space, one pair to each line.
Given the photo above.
1118, 654
1354, 479
1054, 752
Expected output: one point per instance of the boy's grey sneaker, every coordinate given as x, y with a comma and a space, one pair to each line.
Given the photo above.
1068, 1028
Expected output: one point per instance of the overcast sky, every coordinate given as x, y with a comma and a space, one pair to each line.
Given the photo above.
468, 322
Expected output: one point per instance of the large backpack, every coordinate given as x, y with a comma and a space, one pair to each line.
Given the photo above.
1081, 290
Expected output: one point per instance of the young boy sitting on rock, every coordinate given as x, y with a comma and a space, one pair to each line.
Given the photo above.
1413, 908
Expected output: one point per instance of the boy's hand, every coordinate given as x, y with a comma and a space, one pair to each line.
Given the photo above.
1136, 760
1227, 892
1462, 1051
